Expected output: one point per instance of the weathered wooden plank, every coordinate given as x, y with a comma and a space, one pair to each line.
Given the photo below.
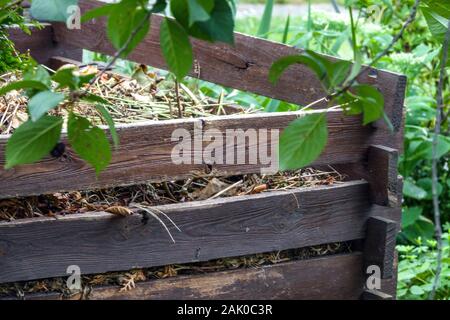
244, 66
379, 246
99, 242
383, 176
41, 46
331, 277
145, 154
56, 62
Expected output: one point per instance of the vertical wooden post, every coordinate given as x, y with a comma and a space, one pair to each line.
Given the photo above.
383, 177
379, 246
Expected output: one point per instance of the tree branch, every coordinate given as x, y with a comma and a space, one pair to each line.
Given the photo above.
121, 50
385, 52
434, 166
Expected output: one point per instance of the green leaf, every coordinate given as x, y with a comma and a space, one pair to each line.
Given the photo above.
125, 18
104, 10
423, 228
197, 12
51, 10
317, 63
436, 23
23, 84
42, 102
138, 18
410, 216
33, 140
266, 20
66, 78
176, 48
38, 73
426, 184
286, 30
90, 97
109, 120
219, 27
416, 290
89, 142
442, 7
372, 102
413, 191
84, 79
337, 74
303, 141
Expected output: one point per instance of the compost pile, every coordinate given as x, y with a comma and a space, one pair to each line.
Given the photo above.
153, 194
142, 98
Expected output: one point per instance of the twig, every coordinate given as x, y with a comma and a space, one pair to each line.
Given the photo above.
434, 166
120, 51
385, 52
234, 185
335, 6
177, 93
154, 215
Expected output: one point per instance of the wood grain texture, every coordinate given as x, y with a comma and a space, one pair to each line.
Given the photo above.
42, 46
144, 154
379, 245
331, 277
244, 66
99, 242
383, 176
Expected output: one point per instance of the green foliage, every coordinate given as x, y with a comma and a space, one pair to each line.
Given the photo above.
416, 269
36, 138
303, 141
43, 102
11, 16
128, 24
266, 20
89, 141
33, 140
176, 48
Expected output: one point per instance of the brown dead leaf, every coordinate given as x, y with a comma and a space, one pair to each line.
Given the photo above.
260, 188
120, 211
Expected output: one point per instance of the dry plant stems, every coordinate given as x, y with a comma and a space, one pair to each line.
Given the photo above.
153, 195
117, 55
434, 165
149, 210
127, 280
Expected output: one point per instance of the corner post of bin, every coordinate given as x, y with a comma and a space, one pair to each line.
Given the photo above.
385, 190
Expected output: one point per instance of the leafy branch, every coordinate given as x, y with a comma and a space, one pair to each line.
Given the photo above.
128, 23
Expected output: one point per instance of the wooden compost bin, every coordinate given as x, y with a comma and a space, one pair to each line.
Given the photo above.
366, 208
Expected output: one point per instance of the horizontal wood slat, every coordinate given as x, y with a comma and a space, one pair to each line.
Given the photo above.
144, 154
331, 277
99, 242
